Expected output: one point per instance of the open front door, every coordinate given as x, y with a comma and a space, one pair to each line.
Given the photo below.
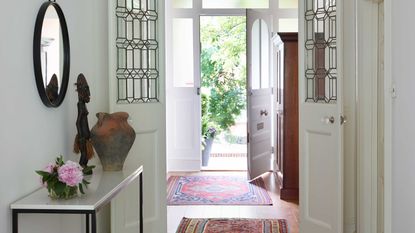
321, 159
259, 92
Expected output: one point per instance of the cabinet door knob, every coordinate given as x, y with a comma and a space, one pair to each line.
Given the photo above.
328, 119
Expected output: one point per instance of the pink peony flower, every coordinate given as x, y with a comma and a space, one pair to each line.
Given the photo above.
49, 168
70, 173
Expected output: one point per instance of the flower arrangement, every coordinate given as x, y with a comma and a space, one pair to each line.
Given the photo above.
64, 179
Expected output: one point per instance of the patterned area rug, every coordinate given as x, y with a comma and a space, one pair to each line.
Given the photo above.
216, 190
232, 225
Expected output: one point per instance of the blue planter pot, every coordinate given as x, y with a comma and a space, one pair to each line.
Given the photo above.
206, 151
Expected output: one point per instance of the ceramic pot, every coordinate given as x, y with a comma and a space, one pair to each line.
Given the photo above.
112, 138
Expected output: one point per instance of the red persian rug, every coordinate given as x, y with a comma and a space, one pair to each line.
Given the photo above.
232, 225
216, 190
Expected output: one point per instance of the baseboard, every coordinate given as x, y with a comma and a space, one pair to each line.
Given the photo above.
183, 165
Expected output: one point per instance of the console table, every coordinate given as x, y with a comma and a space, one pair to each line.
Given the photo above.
103, 188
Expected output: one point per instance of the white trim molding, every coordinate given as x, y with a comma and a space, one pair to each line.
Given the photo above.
349, 110
388, 83
183, 164
367, 119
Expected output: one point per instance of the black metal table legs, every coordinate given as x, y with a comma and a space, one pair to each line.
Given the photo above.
88, 213
91, 224
87, 222
141, 203
15, 220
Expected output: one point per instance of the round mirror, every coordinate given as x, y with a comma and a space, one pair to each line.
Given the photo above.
51, 54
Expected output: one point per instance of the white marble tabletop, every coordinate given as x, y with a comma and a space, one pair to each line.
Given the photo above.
104, 186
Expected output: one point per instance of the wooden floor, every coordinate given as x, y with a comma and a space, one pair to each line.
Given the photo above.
280, 209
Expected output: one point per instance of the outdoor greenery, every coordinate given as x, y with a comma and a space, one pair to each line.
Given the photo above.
223, 68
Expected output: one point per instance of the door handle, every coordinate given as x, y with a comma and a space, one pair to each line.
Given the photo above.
343, 119
328, 119
263, 112
198, 91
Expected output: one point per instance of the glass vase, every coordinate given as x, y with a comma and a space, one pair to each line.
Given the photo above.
70, 192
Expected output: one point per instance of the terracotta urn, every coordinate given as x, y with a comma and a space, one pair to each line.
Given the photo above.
112, 138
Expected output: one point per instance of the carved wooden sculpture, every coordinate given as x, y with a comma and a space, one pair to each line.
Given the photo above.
52, 88
83, 138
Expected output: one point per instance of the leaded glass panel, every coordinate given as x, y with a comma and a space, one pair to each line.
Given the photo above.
321, 51
137, 51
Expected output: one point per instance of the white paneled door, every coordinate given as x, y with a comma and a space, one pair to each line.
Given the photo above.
259, 92
321, 133
137, 78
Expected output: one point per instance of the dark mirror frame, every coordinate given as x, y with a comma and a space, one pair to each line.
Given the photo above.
37, 55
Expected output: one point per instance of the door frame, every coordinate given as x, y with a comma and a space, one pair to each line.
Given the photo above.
224, 13
366, 113
388, 89
367, 118
194, 13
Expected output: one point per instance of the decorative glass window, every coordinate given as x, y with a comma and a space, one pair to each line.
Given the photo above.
137, 51
260, 55
283, 4
182, 3
321, 51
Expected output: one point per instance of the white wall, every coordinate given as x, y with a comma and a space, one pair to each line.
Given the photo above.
32, 135
403, 132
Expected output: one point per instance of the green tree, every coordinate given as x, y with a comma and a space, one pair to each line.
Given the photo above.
223, 68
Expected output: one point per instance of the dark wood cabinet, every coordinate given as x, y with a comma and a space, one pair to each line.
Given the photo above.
285, 52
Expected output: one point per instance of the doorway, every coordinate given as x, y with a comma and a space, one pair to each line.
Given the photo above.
184, 84
223, 93
185, 93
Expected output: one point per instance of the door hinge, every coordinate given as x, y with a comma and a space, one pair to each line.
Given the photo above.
272, 90
272, 149
247, 137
